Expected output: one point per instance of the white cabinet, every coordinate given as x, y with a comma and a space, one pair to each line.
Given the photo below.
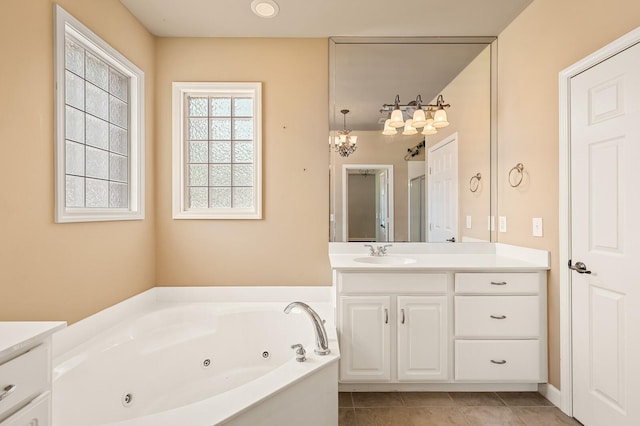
389, 336
25, 373
36, 413
365, 338
500, 327
422, 331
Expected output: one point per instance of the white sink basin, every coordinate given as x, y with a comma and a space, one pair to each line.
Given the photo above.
385, 260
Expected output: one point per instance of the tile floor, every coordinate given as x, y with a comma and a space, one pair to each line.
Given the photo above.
449, 408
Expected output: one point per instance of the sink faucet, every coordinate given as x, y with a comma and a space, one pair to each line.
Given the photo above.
322, 343
378, 251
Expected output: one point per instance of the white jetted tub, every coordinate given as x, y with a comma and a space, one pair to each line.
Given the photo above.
200, 364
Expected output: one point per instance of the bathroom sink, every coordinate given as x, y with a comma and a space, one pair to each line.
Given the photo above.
385, 260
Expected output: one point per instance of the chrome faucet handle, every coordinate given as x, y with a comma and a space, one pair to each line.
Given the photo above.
300, 352
372, 250
383, 250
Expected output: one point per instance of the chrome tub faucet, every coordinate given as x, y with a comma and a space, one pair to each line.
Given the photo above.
322, 343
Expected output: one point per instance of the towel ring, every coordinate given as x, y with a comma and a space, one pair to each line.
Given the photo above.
519, 169
474, 182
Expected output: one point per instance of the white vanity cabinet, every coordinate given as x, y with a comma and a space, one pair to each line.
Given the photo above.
365, 338
500, 327
393, 326
25, 372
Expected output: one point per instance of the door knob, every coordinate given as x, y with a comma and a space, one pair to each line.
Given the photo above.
452, 239
579, 267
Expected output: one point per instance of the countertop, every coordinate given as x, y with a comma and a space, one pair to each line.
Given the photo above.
458, 257
19, 335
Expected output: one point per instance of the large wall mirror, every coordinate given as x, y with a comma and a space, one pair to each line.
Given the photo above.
421, 187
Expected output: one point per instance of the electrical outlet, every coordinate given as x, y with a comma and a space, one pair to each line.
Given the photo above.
537, 227
502, 224
491, 226
468, 222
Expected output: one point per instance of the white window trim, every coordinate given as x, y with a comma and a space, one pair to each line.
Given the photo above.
180, 210
65, 23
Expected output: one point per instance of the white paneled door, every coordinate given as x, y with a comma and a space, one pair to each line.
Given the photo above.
605, 241
443, 191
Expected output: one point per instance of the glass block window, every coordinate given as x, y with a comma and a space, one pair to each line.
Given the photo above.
217, 150
99, 128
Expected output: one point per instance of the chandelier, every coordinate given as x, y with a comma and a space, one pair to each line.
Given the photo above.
430, 117
345, 144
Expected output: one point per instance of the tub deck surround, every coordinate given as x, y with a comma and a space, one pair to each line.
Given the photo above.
182, 327
442, 256
441, 317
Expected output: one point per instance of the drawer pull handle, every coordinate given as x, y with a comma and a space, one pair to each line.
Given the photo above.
502, 361
386, 316
402, 310
498, 317
7, 391
498, 283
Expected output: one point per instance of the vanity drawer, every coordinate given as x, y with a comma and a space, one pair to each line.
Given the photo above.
36, 413
497, 316
380, 282
28, 374
498, 360
497, 283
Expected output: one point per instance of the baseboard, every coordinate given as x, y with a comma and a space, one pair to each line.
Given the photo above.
437, 387
552, 393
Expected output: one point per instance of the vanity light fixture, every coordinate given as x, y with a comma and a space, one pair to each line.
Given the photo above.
265, 8
429, 117
345, 144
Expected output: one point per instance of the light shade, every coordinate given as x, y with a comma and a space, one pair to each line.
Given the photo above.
440, 119
429, 130
419, 118
352, 140
396, 119
388, 130
408, 128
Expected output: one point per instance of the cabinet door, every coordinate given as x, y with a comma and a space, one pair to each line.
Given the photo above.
364, 338
423, 344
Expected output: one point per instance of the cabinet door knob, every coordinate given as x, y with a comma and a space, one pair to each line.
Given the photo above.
386, 316
498, 283
500, 362
7, 391
402, 311
498, 316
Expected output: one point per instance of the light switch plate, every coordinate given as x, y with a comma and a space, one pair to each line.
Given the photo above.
491, 226
468, 222
537, 227
502, 224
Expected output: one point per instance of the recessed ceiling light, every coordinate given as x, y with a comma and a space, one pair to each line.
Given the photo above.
265, 8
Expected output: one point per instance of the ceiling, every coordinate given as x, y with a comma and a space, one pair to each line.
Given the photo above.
366, 75
326, 18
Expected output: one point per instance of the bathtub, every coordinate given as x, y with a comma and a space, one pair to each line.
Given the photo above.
190, 364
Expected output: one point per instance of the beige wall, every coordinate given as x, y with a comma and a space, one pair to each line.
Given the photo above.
547, 37
470, 116
289, 245
61, 271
